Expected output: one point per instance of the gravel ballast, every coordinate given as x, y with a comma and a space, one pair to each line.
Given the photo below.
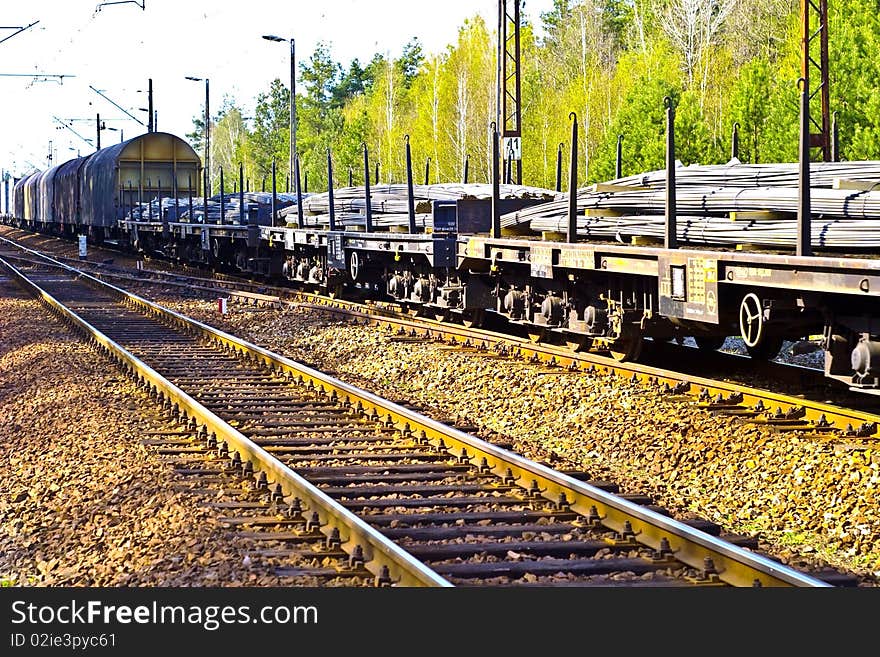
809, 501
83, 502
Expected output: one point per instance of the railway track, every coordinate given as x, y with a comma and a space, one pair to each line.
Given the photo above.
352, 485
788, 397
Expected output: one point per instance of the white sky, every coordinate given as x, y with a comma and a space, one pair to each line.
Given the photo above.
117, 49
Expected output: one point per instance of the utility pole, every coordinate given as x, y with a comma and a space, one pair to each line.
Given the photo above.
151, 126
98, 131
207, 171
293, 153
814, 61
508, 88
207, 146
6, 176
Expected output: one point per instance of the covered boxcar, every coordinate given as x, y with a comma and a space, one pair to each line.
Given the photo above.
66, 195
147, 167
94, 191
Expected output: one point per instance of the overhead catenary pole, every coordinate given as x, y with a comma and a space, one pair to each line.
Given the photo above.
98, 131
814, 59
292, 106
508, 91
207, 141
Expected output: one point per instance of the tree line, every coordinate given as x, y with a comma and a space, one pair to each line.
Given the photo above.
612, 62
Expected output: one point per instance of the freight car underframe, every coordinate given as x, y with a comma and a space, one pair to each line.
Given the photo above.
588, 294
407, 267
609, 296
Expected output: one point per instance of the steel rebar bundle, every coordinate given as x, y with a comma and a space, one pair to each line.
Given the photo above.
391, 200
725, 204
736, 174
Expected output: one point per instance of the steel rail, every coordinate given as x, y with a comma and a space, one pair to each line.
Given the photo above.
377, 551
801, 413
735, 566
795, 412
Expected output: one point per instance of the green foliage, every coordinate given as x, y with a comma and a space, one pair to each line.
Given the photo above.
750, 108
271, 128
320, 75
611, 62
642, 122
855, 49
410, 61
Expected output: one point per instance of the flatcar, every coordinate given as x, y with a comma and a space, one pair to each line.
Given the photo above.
585, 293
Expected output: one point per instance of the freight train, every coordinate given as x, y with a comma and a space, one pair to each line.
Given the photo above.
583, 293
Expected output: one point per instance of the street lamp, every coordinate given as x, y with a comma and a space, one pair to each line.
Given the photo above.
272, 37
207, 141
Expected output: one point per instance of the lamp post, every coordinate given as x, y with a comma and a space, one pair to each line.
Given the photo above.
207, 140
272, 37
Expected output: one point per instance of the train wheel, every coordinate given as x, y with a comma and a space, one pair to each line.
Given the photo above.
537, 333
628, 347
766, 349
751, 320
709, 342
577, 342
473, 318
